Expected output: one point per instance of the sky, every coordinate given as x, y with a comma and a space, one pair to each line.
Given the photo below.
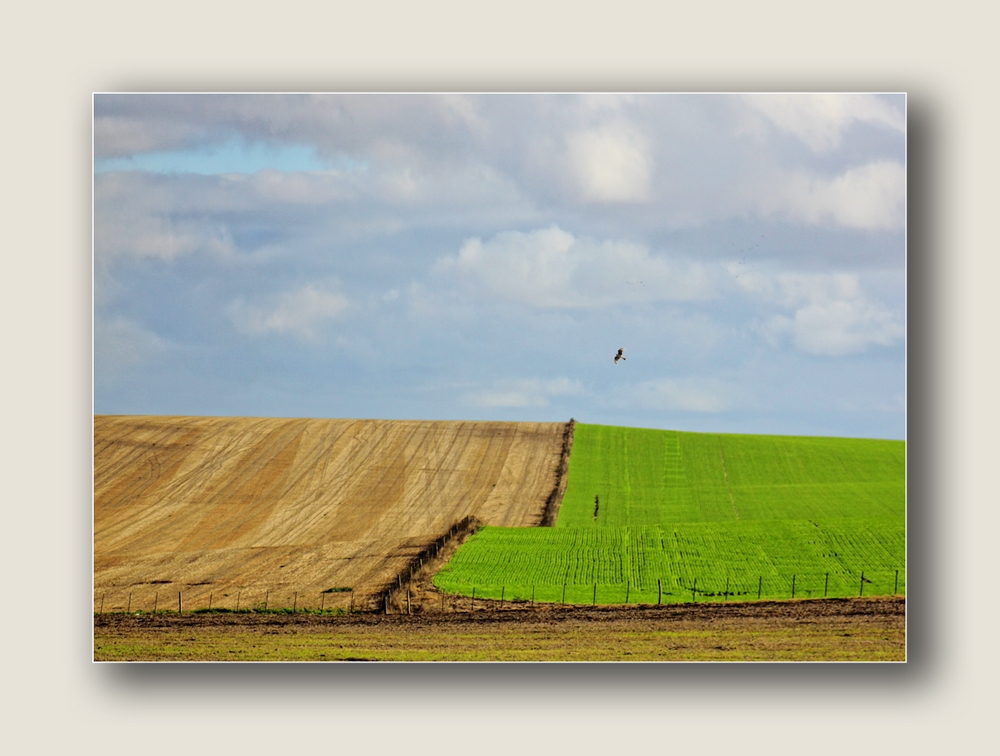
483, 257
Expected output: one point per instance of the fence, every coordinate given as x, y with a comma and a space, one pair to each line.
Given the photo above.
193, 599
662, 591
701, 589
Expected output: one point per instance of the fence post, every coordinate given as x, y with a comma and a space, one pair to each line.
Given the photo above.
760, 584
595, 595
322, 601
694, 589
102, 604
793, 586
238, 600
352, 600
209, 602
626, 592
659, 592
127, 611
156, 597
179, 607
267, 595
407, 600
895, 586
861, 592
725, 596
295, 602
442, 602
826, 585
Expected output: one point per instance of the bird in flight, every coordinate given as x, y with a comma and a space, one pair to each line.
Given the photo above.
619, 355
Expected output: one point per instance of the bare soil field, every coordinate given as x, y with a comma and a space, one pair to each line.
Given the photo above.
255, 510
867, 629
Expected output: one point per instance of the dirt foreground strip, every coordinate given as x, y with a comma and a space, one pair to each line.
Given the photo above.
816, 630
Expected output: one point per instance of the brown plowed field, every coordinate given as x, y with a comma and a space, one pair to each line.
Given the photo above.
221, 509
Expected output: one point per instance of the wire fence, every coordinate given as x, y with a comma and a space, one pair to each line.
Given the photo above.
241, 600
701, 589
808, 585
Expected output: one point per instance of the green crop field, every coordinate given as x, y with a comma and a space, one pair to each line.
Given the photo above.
652, 515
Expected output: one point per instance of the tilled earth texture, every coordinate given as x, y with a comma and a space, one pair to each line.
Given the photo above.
237, 513
866, 629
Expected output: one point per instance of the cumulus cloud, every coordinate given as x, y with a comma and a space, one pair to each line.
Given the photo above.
530, 392
300, 312
553, 268
820, 119
610, 165
869, 197
831, 314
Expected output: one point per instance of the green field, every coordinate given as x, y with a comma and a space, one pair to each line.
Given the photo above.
653, 515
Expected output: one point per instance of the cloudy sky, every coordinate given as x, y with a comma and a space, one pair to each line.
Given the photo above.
484, 256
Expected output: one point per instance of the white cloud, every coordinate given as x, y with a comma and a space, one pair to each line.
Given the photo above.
820, 119
532, 392
831, 315
120, 343
552, 268
298, 312
869, 197
684, 395
161, 237
610, 165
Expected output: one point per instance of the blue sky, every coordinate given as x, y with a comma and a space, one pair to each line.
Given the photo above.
484, 256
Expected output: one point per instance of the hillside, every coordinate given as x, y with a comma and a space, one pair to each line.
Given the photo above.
654, 477
284, 509
653, 515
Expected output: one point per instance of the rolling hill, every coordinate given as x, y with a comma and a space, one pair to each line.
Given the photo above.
284, 509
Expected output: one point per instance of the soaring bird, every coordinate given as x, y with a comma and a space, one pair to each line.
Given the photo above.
619, 355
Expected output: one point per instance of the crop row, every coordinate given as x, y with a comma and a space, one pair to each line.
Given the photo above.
682, 562
635, 476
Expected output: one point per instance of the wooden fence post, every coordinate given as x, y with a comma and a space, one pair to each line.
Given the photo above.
130, 602
209, 602
102, 604
295, 602
156, 597
793, 586
760, 584
895, 586
826, 585
659, 591
725, 596
267, 595
179, 607
238, 600
861, 592
595, 595
352, 600
626, 592
322, 601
